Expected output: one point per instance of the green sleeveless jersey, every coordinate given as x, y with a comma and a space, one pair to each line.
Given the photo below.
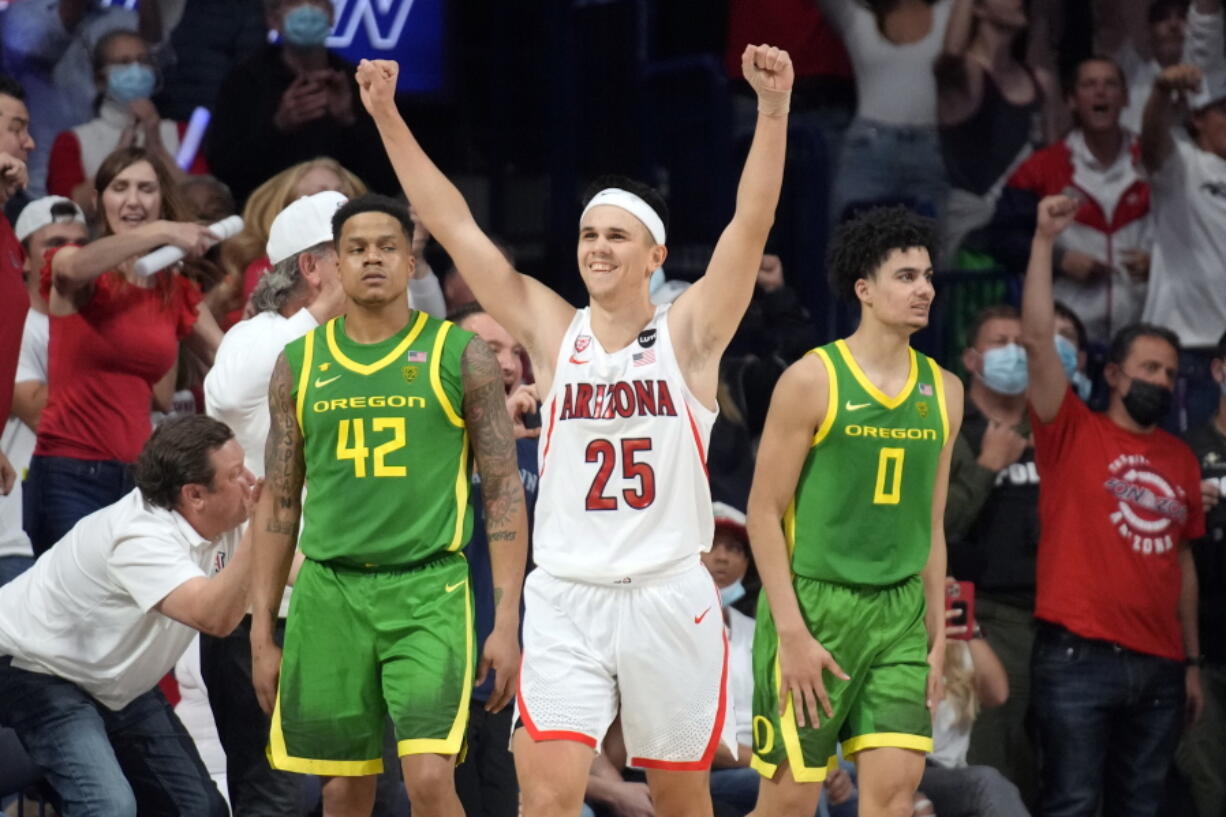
384, 442
862, 513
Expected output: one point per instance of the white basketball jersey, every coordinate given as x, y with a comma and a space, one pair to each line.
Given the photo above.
624, 492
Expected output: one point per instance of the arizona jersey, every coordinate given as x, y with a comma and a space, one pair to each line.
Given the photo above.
624, 492
385, 444
862, 513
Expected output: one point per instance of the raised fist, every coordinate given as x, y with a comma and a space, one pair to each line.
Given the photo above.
767, 68
1055, 214
1180, 78
377, 85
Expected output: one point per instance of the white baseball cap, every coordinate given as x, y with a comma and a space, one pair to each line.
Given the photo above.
305, 223
37, 214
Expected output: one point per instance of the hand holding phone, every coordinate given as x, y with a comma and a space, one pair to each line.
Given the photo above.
959, 610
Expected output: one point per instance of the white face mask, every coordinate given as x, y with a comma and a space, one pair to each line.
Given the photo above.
731, 594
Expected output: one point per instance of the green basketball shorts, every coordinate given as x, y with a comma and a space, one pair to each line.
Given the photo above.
877, 635
360, 646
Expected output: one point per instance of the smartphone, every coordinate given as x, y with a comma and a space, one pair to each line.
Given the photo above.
961, 597
532, 420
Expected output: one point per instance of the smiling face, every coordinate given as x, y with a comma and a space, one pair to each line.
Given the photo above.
616, 253
376, 258
1098, 96
133, 198
900, 292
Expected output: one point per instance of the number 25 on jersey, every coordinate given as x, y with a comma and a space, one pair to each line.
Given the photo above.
604, 452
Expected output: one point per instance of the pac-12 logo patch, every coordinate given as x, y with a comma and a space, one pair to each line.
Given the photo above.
647, 338
582, 342
410, 373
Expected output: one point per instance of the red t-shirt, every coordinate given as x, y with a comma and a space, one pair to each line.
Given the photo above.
796, 26
103, 362
1114, 506
14, 303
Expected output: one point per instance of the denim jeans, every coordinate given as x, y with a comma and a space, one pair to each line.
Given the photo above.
890, 164
1109, 721
13, 566
103, 763
62, 490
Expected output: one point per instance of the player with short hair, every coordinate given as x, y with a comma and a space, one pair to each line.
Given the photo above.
620, 614
846, 522
376, 411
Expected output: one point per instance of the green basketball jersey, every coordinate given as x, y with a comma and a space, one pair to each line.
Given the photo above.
862, 513
384, 441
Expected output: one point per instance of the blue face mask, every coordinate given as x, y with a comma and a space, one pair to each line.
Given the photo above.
1004, 369
306, 26
732, 593
1068, 359
130, 81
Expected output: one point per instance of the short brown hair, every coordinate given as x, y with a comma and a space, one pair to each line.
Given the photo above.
174, 208
989, 313
177, 454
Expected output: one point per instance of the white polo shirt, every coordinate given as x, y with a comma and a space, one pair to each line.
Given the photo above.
236, 388
85, 613
17, 440
1187, 279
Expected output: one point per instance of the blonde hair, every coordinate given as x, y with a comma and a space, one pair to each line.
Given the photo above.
269, 199
960, 683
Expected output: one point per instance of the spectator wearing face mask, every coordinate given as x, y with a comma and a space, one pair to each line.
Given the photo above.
125, 77
291, 102
1116, 662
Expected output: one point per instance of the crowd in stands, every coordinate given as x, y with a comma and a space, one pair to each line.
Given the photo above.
1093, 186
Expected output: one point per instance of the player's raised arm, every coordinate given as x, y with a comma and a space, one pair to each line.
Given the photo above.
533, 313
797, 408
275, 530
1048, 382
933, 574
708, 313
506, 516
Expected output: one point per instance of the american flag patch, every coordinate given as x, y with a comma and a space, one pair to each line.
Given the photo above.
925, 389
416, 357
644, 357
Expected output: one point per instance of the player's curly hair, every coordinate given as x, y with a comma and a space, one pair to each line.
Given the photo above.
644, 191
863, 243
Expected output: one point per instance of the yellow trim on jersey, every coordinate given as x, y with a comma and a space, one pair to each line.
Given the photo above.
791, 739
789, 526
886, 740
364, 368
454, 742
763, 768
461, 495
832, 400
280, 758
304, 377
436, 381
874, 392
939, 385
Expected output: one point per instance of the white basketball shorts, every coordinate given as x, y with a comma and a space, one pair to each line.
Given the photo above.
653, 651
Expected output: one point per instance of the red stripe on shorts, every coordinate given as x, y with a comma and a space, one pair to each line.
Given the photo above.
550, 734
703, 763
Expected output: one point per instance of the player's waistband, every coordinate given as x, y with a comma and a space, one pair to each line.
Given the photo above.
437, 560
630, 579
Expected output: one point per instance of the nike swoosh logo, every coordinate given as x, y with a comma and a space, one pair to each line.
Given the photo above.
698, 619
319, 384
578, 362
850, 406
452, 587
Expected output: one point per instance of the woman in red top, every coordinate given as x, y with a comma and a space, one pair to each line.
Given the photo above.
114, 334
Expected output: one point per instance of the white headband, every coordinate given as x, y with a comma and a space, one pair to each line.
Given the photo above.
633, 205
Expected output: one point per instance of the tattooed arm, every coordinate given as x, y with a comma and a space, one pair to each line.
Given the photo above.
276, 531
506, 518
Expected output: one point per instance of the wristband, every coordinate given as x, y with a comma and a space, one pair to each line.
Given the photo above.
774, 103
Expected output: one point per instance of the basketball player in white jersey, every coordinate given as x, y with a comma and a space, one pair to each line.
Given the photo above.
620, 616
